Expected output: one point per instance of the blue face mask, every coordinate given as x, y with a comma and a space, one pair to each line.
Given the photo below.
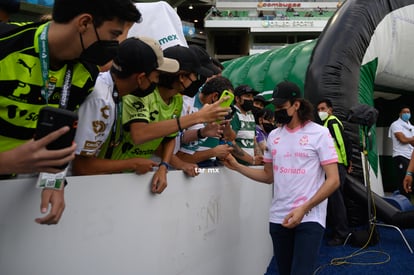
406, 116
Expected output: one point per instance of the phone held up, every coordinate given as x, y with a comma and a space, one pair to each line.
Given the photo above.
52, 119
227, 103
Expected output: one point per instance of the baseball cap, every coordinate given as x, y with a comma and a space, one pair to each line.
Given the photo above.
141, 54
187, 60
261, 99
285, 91
205, 59
244, 89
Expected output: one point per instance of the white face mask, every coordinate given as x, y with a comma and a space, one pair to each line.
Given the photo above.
323, 115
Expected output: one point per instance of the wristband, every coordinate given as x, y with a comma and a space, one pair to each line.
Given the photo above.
199, 135
165, 164
409, 173
178, 124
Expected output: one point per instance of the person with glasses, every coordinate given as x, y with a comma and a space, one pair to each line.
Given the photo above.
135, 69
301, 162
52, 64
151, 123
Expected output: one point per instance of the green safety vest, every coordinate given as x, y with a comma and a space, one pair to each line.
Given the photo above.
338, 139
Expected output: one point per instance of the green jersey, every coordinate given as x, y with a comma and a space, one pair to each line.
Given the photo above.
149, 109
21, 83
245, 128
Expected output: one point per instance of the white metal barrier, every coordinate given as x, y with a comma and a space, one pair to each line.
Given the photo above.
213, 224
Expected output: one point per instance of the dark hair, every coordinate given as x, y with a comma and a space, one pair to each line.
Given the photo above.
305, 111
101, 10
10, 6
217, 84
166, 80
326, 101
404, 106
264, 113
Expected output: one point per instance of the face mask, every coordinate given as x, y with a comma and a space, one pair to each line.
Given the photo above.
193, 89
323, 115
282, 116
268, 127
405, 116
247, 105
143, 93
100, 52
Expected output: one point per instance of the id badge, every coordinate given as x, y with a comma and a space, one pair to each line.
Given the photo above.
52, 181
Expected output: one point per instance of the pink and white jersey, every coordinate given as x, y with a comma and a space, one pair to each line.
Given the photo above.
297, 156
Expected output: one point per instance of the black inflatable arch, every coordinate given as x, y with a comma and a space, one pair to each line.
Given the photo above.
334, 68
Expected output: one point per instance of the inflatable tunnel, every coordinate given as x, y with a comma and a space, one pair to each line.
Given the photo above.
363, 56
383, 210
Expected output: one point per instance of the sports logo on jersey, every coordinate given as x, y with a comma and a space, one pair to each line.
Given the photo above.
91, 145
105, 112
24, 64
304, 140
98, 126
13, 112
138, 105
152, 117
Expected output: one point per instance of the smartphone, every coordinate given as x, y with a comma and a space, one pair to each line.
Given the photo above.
229, 101
52, 119
226, 103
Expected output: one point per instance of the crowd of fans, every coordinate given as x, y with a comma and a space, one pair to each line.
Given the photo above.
145, 109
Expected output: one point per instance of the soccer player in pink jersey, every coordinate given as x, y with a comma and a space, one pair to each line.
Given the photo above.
301, 162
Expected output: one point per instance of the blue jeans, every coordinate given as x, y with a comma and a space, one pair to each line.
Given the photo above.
296, 250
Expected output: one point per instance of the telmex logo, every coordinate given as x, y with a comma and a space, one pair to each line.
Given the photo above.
167, 39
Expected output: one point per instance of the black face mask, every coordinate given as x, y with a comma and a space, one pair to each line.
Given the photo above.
282, 116
100, 52
247, 105
193, 89
143, 93
268, 127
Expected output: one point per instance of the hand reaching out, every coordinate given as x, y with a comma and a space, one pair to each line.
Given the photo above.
213, 112
231, 163
221, 151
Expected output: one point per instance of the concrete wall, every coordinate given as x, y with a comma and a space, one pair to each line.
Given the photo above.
214, 224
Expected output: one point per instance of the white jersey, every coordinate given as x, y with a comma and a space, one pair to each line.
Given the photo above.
96, 116
398, 148
297, 156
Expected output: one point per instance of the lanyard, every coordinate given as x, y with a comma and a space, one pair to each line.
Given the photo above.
118, 114
48, 84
